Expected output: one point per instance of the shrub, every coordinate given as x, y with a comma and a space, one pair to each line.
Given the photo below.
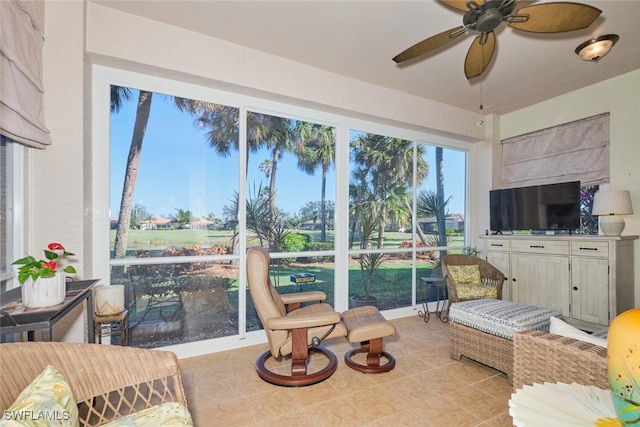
176, 269
293, 242
318, 246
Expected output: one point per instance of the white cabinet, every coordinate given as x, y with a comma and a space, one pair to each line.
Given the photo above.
499, 257
540, 280
590, 289
588, 278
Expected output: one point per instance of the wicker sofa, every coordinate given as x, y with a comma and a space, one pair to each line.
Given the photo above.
107, 382
540, 357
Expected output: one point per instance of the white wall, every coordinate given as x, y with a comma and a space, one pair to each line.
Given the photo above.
56, 208
621, 97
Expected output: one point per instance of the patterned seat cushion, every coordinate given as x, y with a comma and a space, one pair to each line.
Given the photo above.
501, 318
464, 274
476, 291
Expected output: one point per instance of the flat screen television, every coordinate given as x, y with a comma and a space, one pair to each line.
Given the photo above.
539, 207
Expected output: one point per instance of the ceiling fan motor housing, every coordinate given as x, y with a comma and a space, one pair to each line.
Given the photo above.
488, 16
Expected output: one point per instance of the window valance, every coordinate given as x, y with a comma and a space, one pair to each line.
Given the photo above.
575, 151
21, 92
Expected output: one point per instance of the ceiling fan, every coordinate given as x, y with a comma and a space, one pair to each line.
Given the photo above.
485, 17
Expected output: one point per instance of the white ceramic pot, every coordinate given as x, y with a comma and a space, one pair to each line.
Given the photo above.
44, 292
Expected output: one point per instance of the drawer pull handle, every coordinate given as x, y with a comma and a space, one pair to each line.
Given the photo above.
588, 249
497, 244
537, 246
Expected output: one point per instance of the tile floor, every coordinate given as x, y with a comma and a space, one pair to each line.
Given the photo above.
426, 388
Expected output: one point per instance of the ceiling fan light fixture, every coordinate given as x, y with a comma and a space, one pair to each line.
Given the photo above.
597, 47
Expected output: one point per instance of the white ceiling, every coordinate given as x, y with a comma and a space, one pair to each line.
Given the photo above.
358, 39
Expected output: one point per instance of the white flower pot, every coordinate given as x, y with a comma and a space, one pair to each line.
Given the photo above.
44, 292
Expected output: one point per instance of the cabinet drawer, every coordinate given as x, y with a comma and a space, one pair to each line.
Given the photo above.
498, 244
554, 247
590, 248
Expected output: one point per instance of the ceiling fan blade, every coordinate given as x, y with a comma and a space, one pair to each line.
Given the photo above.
556, 17
458, 4
479, 56
426, 45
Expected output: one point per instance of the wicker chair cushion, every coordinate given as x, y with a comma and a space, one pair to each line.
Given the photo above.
47, 401
170, 414
501, 318
465, 274
476, 291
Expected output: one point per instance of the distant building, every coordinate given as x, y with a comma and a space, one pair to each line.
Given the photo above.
155, 223
201, 224
452, 221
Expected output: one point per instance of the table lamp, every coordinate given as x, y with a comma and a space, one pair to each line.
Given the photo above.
608, 205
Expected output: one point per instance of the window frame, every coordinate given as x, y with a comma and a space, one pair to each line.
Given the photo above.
14, 174
103, 77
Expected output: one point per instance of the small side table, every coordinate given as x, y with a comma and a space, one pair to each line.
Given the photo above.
112, 324
16, 318
440, 285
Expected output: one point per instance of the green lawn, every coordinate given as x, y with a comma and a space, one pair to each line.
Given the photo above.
160, 239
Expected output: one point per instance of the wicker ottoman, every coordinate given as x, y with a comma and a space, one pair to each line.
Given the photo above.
482, 329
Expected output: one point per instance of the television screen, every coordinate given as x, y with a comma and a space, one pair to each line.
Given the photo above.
540, 207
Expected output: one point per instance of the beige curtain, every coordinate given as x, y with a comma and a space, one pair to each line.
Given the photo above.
21, 107
575, 151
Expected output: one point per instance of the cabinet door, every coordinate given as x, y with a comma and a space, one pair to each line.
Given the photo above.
590, 290
541, 280
501, 261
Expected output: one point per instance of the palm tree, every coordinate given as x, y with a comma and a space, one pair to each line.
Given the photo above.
182, 217
276, 134
118, 96
317, 147
262, 131
380, 192
133, 162
385, 166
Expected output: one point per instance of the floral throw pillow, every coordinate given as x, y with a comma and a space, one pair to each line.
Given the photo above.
47, 401
465, 274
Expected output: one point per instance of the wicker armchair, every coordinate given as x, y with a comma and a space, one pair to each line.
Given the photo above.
489, 275
107, 382
539, 357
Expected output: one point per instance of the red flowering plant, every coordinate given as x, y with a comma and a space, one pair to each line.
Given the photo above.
34, 268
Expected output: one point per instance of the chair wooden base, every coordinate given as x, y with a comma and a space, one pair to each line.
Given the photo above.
373, 349
299, 376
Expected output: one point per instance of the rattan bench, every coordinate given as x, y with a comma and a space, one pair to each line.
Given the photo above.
107, 382
539, 357
482, 330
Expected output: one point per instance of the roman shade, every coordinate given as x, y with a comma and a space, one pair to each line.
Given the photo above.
21, 92
574, 151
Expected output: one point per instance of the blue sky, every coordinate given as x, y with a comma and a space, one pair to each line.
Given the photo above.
178, 170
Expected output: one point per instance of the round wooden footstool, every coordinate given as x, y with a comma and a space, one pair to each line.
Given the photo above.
365, 325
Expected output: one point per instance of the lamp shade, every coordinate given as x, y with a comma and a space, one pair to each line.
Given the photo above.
614, 202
